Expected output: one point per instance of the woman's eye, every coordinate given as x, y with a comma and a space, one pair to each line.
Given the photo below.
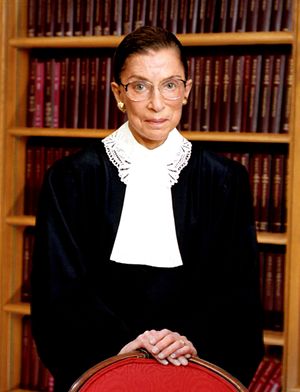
140, 87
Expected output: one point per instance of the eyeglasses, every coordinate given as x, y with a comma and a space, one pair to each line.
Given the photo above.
141, 90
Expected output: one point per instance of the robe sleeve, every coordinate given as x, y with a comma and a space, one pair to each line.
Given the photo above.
72, 324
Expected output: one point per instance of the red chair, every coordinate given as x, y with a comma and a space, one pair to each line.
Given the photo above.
136, 372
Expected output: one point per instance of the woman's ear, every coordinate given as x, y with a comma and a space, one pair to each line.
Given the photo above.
188, 87
116, 91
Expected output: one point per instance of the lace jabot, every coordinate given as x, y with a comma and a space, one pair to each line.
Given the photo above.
123, 150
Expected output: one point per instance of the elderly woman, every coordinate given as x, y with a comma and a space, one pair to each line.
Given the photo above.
145, 240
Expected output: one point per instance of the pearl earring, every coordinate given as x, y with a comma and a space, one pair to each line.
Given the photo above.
184, 102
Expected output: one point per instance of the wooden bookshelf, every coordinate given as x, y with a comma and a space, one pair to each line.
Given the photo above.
14, 55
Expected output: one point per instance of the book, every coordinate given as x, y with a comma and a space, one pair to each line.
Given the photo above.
182, 13
216, 93
173, 16
265, 94
209, 15
151, 12
49, 18
206, 94
116, 28
139, 10
40, 17
83, 92
88, 18
72, 92
252, 15
266, 166
242, 16
237, 93
192, 17
276, 15
255, 174
127, 16
48, 110
197, 103
98, 18
38, 118
277, 89
55, 92
232, 17
31, 18
279, 265
268, 292
264, 15
287, 96
226, 92
287, 16
59, 20
254, 94
278, 189
30, 114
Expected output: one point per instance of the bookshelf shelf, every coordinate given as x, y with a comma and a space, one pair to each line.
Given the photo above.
21, 308
191, 135
204, 39
273, 338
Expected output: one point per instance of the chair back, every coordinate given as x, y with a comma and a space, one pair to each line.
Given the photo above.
136, 372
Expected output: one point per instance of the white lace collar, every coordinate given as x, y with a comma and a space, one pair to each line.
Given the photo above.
123, 149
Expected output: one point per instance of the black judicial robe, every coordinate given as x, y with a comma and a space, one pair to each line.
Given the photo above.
85, 307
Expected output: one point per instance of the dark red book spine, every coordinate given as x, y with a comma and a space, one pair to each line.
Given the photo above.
56, 77
31, 18
39, 94
237, 94
226, 92
197, 102
277, 93
206, 94
266, 164
216, 94
127, 16
287, 95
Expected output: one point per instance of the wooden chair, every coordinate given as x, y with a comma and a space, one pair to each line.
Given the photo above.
137, 372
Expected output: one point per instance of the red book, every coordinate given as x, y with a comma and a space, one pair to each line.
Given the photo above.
173, 16
275, 384
276, 15
127, 16
78, 8
28, 240
31, 92
226, 91
162, 13
266, 376
98, 18
278, 186
38, 174
104, 94
221, 16
237, 93
231, 24
277, 93
242, 16
93, 92
254, 93
246, 91
182, 16
201, 17
209, 15
193, 16
31, 18
106, 29
88, 20
38, 120
268, 293
287, 17
261, 368
279, 264
252, 15
151, 12
48, 94
264, 15
287, 95
139, 10
28, 192
73, 92
59, 24
64, 75
49, 18
206, 94
56, 77
26, 353
266, 90
69, 18
265, 192
255, 174
41, 17
216, 93
117, 17
83, 93
198, 87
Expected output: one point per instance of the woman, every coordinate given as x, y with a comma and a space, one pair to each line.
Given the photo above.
145, 240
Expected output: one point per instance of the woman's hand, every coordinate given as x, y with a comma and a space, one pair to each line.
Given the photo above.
165, 346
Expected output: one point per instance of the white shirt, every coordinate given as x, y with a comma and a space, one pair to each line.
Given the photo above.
146, 233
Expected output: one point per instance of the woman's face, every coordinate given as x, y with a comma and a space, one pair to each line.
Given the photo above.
151, 120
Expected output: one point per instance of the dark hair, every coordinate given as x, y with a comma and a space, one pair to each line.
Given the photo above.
140, 41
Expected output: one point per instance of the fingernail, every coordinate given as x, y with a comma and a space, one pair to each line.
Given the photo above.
164, 362
155, 350
152, 341
160, 356
173, 356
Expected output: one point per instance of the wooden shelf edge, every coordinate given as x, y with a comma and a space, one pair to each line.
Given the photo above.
272, 238
198, 39
273, 338
191, 135
20, 308
21, 220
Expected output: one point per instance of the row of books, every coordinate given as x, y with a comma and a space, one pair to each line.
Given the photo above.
115, 17
34, 375
231, 93
267, 173
272, 266
268, 177
268, 376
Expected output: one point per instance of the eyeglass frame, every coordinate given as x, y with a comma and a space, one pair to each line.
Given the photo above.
168, 99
